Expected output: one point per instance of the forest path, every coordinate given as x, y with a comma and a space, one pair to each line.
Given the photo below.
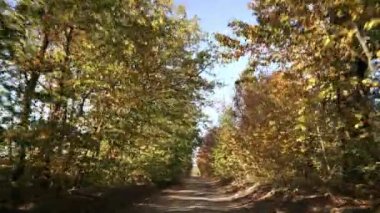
194, 195
198, 195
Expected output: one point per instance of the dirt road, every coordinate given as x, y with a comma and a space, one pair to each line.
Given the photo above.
197, 195
193, 195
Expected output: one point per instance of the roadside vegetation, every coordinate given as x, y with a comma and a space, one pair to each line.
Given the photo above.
97, 93
305, 110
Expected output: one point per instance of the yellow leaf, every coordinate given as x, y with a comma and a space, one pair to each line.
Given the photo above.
327, 41
367, 82
371, 24
351, 33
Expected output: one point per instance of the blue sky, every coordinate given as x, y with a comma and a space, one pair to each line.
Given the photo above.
214, 16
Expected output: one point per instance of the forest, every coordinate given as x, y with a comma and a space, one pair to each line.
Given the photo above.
109, 93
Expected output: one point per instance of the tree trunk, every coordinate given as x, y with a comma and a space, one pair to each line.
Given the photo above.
26, 111
29, 93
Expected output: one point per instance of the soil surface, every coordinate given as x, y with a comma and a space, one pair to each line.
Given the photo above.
197, 195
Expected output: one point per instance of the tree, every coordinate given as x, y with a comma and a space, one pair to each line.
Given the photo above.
100, 92
311, 111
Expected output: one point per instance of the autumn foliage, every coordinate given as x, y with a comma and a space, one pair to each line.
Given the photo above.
302, 108
98, 92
